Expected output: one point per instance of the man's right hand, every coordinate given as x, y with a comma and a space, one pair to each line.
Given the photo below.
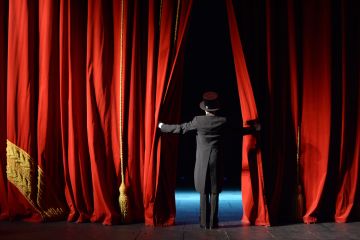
160, 124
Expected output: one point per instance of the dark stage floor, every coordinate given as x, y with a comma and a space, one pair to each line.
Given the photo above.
187, 226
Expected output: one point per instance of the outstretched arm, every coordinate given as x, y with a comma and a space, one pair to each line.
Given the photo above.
178, 128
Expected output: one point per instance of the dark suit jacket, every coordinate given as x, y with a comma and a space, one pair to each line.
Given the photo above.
209, 149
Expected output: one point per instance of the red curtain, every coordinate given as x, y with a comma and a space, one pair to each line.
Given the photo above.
80, 81
166, 28
309, 54
316, 108
83, 85
347, 198
255, 209
21, 111
324, 73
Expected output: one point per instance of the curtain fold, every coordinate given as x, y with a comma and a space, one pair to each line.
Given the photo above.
83, 85
283, 116
165, 36
50, 176
309, 95
316, 110
311, 80
75, 148
134, 91
21, 111
72, 68
347, 200
255, 210
100, 86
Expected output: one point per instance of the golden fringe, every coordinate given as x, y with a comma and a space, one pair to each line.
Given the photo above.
123, 200
28, 178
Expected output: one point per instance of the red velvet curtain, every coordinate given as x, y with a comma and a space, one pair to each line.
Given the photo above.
21, 110
348, 192
255, 209
166, 26
79, 81
153, 53
308, 54
324, 94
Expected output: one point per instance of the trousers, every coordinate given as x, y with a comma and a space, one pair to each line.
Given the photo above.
209, 205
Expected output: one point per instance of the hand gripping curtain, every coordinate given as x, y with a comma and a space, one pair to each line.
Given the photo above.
252, 180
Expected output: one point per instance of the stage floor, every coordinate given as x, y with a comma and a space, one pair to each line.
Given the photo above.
187, 227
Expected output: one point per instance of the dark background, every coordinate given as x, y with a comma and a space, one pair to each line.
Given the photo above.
209, 66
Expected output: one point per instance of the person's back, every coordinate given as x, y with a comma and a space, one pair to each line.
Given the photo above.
210, 130
208, 172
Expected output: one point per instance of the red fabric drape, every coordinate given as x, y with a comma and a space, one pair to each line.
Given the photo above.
347, 200
316, 72
163, 50
316, 110
101, 108
21, 109
50, 176
283, 116
312, 82
60, 67
75, 149
322, 149
134, 109
63, 100
255, 209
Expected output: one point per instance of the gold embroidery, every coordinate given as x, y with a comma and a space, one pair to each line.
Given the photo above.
28, 178
50, 212
20, 170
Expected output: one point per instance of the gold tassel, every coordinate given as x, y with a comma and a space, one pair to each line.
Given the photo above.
123, 201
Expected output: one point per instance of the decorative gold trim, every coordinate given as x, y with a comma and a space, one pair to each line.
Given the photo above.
23, 172
50, 212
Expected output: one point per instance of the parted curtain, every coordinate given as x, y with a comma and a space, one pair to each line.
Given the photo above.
83, 85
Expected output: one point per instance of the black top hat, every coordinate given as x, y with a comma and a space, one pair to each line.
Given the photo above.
210, 102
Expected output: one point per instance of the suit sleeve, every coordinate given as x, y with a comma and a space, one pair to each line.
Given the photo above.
180, 128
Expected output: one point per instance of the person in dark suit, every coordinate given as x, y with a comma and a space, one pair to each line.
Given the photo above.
208, 172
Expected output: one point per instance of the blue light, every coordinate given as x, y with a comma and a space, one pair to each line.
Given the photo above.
194, 196
188, 204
